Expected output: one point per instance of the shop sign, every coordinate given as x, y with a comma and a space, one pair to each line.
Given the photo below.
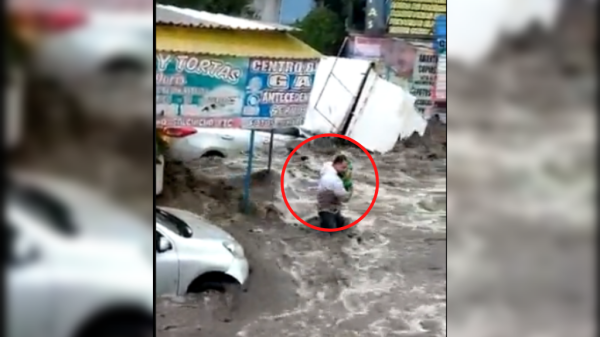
229, 92
414, 17
277, 92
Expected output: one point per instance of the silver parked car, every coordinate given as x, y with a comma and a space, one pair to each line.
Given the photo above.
71, 272
189, 143
192, 253
97, 61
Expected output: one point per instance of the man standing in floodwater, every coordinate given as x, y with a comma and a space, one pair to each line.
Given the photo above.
332, 192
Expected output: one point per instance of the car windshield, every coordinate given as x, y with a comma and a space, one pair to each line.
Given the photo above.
173, 223
46, 208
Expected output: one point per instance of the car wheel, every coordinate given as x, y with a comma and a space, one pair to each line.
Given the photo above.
213, 281
119, 322
213, 154
230, 291
125, 330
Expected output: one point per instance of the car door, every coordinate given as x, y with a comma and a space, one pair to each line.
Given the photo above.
167, 268
29, 288
231, 142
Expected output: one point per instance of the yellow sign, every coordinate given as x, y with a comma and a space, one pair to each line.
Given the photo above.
414, 17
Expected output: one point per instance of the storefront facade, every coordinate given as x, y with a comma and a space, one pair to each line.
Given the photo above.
220, 77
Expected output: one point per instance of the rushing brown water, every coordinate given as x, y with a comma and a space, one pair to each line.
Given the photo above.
385, 276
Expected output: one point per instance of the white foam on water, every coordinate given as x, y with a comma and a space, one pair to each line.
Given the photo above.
358, 290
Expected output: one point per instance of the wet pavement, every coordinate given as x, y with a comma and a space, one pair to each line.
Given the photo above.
385, 276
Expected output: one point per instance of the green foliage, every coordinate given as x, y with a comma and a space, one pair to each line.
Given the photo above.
350, 12
356, 14
339, 7
323, 30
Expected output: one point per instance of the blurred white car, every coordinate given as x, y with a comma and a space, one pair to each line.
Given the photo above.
188, 143
13, 107
193, 255
99, 61
67, 279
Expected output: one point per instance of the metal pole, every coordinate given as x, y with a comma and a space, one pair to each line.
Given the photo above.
248, 179
270, 151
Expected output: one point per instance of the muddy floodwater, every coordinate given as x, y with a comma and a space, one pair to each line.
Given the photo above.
385, 276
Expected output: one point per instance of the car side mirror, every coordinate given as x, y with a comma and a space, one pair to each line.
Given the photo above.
163, 245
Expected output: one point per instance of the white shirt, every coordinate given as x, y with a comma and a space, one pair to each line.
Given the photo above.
330, 181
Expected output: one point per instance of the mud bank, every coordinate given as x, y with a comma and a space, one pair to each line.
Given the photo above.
218, 198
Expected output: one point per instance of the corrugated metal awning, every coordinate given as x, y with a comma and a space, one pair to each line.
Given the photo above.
175, 16
238, 43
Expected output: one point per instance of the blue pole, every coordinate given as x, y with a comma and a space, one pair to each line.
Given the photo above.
270, 151
248, 173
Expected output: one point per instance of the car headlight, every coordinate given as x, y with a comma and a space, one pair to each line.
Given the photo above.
234, 248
